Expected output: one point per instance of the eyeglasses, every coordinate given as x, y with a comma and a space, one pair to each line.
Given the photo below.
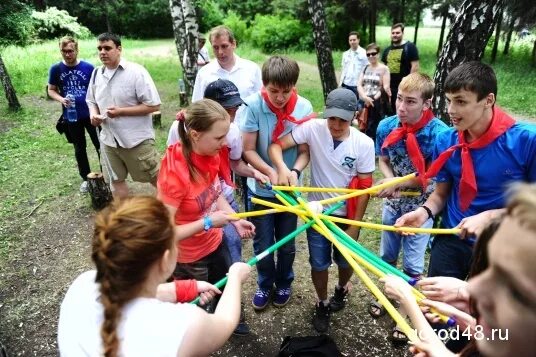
372, 54
67, 52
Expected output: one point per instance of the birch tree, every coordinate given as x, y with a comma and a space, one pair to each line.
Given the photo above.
323, 46
466, 41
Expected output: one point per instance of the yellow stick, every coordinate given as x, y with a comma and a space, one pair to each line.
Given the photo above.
294, 210
404, 326
370, 189
255, 213
383, 227
332, 189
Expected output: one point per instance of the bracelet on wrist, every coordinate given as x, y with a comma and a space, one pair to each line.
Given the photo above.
428, 211
298, 172
207, 222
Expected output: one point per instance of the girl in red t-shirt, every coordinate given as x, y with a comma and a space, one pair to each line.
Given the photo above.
189, 185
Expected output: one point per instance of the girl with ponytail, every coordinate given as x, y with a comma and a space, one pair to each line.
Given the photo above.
114, 311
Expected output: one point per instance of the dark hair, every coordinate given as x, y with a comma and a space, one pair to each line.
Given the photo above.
199, 116
130, 236
108, 36
280, 71
472, 76
373, 45
398, 24
354, 33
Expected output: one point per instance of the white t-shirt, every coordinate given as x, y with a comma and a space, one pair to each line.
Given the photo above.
148, 327
234, 142
334, 167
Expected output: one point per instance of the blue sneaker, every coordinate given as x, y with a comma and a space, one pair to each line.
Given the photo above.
282, 297
261, 299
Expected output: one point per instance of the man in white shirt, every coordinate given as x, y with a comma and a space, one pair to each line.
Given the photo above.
245, 74
202, 54
354, 62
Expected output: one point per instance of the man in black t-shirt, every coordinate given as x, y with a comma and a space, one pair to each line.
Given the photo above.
402, 58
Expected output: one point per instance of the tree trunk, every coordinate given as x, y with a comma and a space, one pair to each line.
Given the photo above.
402, 11
323, 46
511, 24
534, 54
186, 32
442, 35
497, 36
11, 94
466, 41
107, 11
417, 20
372, 21
99, 191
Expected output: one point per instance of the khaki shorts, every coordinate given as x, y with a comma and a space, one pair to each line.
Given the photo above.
142, 162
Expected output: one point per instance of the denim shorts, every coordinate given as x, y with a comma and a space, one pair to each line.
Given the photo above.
320, 251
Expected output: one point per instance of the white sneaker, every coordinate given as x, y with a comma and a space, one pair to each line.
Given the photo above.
83, 187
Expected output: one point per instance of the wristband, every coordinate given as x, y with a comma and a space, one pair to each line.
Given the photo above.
207, 223
298, 172
429, 211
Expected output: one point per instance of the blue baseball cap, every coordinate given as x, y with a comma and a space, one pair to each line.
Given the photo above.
224, 92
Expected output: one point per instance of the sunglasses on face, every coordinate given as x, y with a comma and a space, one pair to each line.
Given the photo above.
372, 54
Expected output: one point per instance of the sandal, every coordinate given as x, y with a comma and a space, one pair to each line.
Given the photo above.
398, 337
376, 310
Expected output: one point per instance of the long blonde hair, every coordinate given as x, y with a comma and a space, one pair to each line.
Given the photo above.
130, 236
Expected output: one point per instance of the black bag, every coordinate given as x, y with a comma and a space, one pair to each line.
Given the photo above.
309, 346
62, 128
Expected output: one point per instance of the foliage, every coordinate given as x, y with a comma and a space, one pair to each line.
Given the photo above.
275, 33
210, 14
238, 26
54, 23
16, 24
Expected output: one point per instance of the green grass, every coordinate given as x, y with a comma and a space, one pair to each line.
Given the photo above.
37, 165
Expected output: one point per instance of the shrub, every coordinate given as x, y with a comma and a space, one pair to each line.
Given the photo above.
211, 15
238, 26
54, 23
16, 24
274, 33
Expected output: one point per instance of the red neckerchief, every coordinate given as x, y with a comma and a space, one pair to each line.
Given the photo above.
285, 113
175, 162
225, 166
500, 123
412, 146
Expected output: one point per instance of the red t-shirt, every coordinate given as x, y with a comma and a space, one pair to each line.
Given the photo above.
193, 201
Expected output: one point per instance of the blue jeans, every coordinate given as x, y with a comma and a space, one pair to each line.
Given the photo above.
413, 247
270, 229
450, 256
232, 238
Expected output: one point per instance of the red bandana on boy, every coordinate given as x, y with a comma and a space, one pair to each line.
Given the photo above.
283, 114
500, 123
175, 162
412, 146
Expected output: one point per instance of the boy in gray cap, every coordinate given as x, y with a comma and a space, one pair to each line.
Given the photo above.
341, 156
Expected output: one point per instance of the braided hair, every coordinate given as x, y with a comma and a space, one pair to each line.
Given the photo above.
130, 236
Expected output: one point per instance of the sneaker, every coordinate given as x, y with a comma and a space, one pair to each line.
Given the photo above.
338, 301
282, 297
261, 299
242, 329
83, 187
321, 318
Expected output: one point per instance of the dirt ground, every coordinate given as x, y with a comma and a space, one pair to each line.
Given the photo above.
55, 248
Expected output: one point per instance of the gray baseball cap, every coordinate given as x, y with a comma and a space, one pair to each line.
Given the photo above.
341, 103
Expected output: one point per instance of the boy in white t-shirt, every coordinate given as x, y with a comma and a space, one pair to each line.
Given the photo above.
341, 156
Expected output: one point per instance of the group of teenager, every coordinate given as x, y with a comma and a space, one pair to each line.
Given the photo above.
151, 253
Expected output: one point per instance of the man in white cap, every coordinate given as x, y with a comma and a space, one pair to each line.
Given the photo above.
341, 156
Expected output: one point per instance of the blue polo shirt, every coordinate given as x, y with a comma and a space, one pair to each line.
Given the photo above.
257, 117
510, 158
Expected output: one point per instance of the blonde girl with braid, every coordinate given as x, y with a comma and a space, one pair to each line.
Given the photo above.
114, 310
